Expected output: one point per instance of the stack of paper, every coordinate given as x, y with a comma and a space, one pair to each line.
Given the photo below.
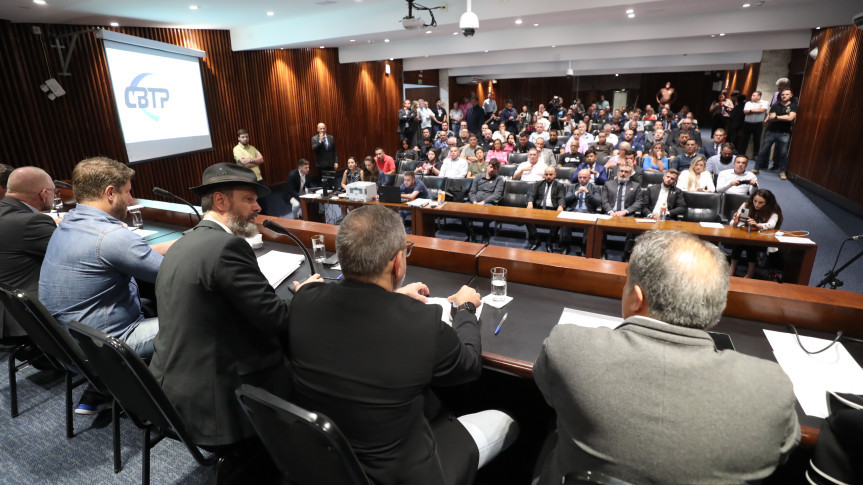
578, 216
571, 316
277, 266
419, 202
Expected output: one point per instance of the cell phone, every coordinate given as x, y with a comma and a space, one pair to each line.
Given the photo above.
744, 212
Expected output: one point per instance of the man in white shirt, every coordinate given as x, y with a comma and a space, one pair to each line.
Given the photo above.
666, 193
453, 166
546, 155
532, 170
539, 133
609, 136
490, 107
737, 180
425, 114
754, 112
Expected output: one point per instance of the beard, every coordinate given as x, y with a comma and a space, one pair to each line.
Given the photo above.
622, 180
242, 226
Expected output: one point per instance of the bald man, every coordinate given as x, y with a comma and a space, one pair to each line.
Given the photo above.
24, 234
324, 147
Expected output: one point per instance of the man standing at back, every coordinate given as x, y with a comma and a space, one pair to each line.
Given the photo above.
691, 414
249, 157
365, 351
324, 147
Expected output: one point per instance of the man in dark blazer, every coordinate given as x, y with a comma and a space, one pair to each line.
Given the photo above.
628, 158
548, 194
365, 352
324, 147
407, 116
675, 204
620, 196
582, 196
298, 180
219, 319
24, 235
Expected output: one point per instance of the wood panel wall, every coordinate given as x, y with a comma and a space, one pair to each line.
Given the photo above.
278, 95
744, 80
825, 147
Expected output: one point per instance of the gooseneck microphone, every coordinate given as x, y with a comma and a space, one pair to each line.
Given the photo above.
165, 193
62, 185
282, 230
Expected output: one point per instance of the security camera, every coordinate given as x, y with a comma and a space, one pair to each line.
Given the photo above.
468, 23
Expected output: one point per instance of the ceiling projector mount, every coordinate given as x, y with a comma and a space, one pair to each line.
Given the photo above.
410, 22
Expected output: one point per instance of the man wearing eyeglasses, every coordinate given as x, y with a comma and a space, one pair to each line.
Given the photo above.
366, 350
24, 235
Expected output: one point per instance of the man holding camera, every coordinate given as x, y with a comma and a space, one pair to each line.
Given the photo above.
737, 180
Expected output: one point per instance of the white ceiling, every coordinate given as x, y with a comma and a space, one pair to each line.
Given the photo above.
593, 36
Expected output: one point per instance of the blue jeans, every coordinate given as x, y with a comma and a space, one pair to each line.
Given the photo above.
780, 155
141, 338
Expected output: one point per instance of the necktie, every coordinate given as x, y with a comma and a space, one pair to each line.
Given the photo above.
326, 145
545, 202
580, 206
621, 190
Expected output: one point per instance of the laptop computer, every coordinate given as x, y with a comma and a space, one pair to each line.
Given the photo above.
390, 194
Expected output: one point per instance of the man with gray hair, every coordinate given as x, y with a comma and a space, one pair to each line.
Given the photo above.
5, 171
648, 401
365, 352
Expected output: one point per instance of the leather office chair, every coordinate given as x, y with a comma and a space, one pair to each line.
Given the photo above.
565, 173
459, 187
129, 380
390, 178
407, 166
650, 177
433, 184
399, 180
602, 159
648, 126
507, 171
702, 206
516, 193
307, 446
516, 158
60, 351
589, 477
730, 204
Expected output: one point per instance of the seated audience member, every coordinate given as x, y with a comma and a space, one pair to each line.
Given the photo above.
371, 172
524, 145
683, 161
572, 159
463, 137
764, 214
712, 149
467, 151
497, 153
427, 166
441, 142
352, 174
549, 195
532, 170
656, 160
676, 288
665, 193
628, 158
598, 174
486, 141
384, 351
737, 180
723, 161
582, 196
629, 137
620, 195
453, 166
555, 144
297, 184
657, 135
510, 144
485, 190
93, 261
425, 149
685, 126
678, 148
406, 153
5, 171
546, 156
696, 178
412, 188
610, 137
386, 164
24, 234
220, 318
601, 146
478, 166
501, 134
541, 130
618, 157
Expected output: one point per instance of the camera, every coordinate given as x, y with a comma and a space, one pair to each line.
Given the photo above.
468, 24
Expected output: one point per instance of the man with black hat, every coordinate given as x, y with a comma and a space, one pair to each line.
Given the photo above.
221, 318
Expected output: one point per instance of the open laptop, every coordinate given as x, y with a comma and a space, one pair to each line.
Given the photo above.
389, 193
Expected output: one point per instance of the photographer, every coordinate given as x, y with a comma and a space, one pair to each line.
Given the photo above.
761, 212
737, 180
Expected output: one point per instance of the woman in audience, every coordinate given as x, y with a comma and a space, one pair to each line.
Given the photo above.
456, 114
501, 133
405, 154
417, 125
497, 152
510, 143
649, 114
612, 161
656, 160
352, 174
371, 172
666, 118
697, 178
764, 213
431, 162
478, 167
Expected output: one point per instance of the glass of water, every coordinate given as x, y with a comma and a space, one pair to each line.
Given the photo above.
137, 220
58, 202
319, 251
498, 284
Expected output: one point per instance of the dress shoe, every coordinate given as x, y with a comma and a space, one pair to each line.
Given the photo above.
567, 250
533, 246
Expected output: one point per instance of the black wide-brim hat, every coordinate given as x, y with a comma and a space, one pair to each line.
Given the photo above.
225, 174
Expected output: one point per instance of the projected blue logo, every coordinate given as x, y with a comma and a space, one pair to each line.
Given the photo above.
144, 98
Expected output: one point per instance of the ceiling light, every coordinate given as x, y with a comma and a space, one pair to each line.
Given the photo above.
536, 25
517, 21
193, 7
632, 15
630, 11
722, 34
455, 33
322, 47
353, 40
817, 28
712, 35
747, 5
486, 50
616, 75
428, 31
39, 2
553, 46
115, 24
270, 14
386, 40
391, 58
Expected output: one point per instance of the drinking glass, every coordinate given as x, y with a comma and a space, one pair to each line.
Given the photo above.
498, 284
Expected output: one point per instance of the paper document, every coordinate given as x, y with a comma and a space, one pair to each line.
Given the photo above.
814, 375
446, 316
419, 202
277, 266
794, 240
645, 219
571, 316
142, 232
711, 225
309, 196
578, 216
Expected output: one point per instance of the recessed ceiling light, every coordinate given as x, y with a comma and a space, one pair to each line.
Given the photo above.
553, 46
536, 25
630, 11
322, 47
39, 2
391, 58
270, 14
281, 48
632, 15
616, 75
428, 31
386, 40
353, 40
115, 24
747, 5
722, 34
455, 33
712, 35
817, 28
193, 7
517, 21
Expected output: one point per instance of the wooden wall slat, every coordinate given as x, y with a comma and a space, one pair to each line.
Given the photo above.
825, 142
278, 95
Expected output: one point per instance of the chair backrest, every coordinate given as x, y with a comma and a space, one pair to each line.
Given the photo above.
507, 171
565, 173
601, 159
408, 166
648, 126
702, 206
516, 193
306, 446
730, 204
516, 158
651, 177
130, 382
400, 178
459, 188
390, 178
431, 182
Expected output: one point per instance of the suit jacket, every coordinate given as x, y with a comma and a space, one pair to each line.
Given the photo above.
598, 179
675, 203
406, 121
631, 200
292, 187
219, 327
325, 155
592, 200
366, 357
558, 194
24, 237
648, 401
709, 150
637, 173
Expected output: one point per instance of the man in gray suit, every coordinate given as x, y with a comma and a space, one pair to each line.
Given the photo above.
653, 401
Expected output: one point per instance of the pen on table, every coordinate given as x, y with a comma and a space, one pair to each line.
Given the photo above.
499, 325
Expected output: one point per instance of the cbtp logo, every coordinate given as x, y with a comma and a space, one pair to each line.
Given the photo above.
145, 98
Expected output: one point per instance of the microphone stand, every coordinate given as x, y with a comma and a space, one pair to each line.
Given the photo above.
830, 276
165, 193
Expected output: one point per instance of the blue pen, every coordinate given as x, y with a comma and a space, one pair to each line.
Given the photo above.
497, 329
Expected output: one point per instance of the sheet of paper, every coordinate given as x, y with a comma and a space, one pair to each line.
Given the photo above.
711, 225
142, 232
814, 375
794, 240
578, 216
446, 316
419, 202
497, 304
278, 265
645, 219
308, 196
571, 316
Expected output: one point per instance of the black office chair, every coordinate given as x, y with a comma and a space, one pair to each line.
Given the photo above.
459, 188
565, 173
399, 180
702, 206
730, 204
389, 178
408, 166
601, 159
433, 184
516, 158
129, 380
60, 352
307, 446
648, 126
516, 193
650, 177
589, 477
507, 171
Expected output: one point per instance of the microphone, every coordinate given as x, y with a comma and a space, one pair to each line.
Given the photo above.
282, 230
854, 238
165, 193
62, 185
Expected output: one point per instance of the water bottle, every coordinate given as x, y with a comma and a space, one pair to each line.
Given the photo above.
663, 211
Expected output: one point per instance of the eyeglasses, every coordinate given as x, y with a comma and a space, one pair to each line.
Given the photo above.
409, 246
